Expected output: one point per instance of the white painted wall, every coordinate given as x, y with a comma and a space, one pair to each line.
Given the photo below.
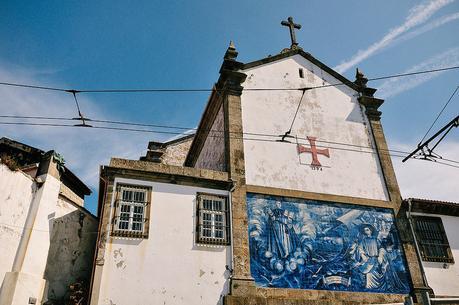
444, 278
168, 267
332, 114
16, 193
27, 214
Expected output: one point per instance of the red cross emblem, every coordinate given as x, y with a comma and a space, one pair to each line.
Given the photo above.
314, 151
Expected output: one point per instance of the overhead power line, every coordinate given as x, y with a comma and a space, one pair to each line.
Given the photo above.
212, 132
427, 153
439, 114
165, 90
244, 138
348, 147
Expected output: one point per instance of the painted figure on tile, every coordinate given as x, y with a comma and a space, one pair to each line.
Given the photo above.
365, 254
386, 258
282, 239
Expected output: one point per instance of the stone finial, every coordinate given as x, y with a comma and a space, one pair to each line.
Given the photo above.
360, 79
231, 52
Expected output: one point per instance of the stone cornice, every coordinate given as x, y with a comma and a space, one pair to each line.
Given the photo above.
158, 172
371, 106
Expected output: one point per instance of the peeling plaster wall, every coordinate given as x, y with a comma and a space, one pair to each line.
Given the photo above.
175, 154
442, 278
212, 155
71, 251
61, 243
168, 267
330, 114
16, 193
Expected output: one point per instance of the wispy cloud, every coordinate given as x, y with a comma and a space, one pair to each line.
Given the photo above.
84, 149
428, 27
424, 179
416, 16
396, 86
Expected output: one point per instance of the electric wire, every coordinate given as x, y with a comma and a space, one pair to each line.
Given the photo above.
372, 151
213, 132
296, 112
165, 90
439, 114
83, 119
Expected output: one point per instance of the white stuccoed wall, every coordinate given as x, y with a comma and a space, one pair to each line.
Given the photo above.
16, 193
331, 114
445, 281
168, 267
25, 277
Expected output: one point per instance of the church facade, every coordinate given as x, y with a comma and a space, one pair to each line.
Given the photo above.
287, 193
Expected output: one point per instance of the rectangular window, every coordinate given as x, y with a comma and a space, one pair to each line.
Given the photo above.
212, 219
131, 210
432, 241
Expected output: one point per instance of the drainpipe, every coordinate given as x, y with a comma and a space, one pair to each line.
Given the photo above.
418, 252
230, 268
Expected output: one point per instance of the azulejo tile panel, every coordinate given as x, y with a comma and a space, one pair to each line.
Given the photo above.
307, 244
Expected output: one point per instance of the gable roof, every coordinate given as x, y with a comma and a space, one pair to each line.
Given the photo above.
230, 63
291, 52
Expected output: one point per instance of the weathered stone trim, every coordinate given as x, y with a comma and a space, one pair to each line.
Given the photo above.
318, 196
151, 168
275, 296
207, 182
236, 170
371, 105
103, 212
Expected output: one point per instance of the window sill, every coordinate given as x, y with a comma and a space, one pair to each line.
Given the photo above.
130, 234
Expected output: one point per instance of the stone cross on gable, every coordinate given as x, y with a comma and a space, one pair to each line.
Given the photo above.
313, 151
292, 26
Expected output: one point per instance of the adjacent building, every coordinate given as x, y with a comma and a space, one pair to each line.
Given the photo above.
47, 235
434, 224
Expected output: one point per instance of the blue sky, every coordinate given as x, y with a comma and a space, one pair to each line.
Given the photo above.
180, 44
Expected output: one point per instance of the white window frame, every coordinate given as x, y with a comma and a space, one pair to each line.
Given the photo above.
213, 222
126, 217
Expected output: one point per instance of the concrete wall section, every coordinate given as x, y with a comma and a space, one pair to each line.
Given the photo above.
71, 251
212, 155
443, 278
168, 267
330, 114
16, 193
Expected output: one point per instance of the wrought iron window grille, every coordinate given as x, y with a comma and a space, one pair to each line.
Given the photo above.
212, 219
432, 239
131, 209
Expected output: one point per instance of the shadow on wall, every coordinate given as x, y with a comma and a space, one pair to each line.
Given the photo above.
70, 255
